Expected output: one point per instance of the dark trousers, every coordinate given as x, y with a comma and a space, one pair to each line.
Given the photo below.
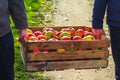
115, 45
7, 57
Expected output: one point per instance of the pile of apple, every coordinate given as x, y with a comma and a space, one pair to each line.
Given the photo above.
50, 34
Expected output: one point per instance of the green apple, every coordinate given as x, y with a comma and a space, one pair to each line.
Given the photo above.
89, 37
49, 34
64, 34
71, 49
29, 31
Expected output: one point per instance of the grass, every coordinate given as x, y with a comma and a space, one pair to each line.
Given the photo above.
20, 72
33, 7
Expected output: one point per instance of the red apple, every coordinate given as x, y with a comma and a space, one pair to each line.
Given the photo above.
36, 33
28, 35
87, 33
66, 38
72, 31
33, 38
52, 39
45, 51
58, 38
36, 50
49, 29
40, 37
76, 38
42, 40
79, 49
65, 30
79, 32
58, 34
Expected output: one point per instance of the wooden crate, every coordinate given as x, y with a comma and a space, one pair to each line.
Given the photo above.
94, 54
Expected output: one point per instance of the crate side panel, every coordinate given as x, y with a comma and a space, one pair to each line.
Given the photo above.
24, 59
68, 44
87, 54
50, 66
40, 28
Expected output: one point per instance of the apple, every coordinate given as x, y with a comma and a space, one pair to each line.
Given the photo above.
66, 38
36, 33
76, 38
42, 40
72, 31
65, 34
71, 49
79, 32
33, 38
57, 37
87, 33
52, 39
58, 34
79, 49
49, 29
89, 37
61, 50
65, 30
29, 31
28, 35
49, 34
45, 51
36, 50
69, 29
39, 37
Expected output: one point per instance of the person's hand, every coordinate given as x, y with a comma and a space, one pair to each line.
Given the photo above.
22, 35
99, 34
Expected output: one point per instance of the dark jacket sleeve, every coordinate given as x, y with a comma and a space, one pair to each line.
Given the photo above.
98, 13
18, 13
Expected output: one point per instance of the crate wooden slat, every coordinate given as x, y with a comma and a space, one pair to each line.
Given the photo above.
40, 28
85, 64
94, 53
67, 44
68, 55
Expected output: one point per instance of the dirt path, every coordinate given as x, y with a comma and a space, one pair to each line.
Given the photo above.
78, 12
70, 12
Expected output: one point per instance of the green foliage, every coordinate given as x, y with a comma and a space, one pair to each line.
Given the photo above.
20, 72
40, 12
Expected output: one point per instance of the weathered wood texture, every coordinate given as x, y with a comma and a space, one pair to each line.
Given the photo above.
93, 54
62, 65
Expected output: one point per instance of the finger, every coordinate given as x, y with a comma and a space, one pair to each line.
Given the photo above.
97, 37
103, 37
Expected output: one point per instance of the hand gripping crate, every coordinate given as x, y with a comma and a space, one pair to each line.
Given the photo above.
94, 53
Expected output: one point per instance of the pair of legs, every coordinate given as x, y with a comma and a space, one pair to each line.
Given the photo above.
7, 57
115, 45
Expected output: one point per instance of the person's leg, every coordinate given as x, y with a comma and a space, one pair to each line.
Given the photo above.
7, 57
115, 46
